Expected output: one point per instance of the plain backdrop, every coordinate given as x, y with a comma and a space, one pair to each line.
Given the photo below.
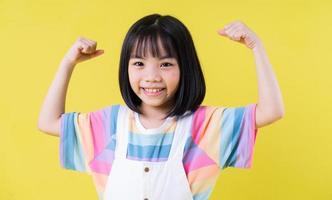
292, 157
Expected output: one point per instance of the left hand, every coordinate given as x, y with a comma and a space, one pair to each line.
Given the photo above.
239, 32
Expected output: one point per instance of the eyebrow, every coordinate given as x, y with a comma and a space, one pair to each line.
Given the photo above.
162, 57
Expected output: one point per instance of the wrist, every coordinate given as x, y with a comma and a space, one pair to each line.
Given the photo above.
67, 64
258, 46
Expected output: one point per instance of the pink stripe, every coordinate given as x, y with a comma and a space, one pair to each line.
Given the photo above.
99, 166
198, 120
254, 130
247, 140
98, 132
200, 161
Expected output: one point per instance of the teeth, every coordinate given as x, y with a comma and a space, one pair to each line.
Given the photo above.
152, 90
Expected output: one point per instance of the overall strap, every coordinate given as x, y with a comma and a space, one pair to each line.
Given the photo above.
122, 132
181, 134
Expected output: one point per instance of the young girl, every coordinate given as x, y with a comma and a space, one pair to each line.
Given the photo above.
163, 144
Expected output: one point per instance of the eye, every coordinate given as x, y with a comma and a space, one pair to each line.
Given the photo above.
167, 64
138, 63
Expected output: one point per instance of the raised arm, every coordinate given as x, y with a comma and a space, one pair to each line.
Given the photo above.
270, 105
54, 103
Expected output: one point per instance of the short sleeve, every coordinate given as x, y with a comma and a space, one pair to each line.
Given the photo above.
221, 137
83, 136
238, 135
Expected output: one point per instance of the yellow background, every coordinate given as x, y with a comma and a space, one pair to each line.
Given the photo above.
292, 157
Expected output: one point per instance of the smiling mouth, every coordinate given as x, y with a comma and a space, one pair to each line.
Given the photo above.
153, 91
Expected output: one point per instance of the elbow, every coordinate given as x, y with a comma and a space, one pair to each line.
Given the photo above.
40, 127
281, 111
50, 127
40, 124
280, 114
268, 117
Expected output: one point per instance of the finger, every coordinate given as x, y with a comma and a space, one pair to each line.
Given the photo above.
232, 26
92, 45
222, 32
91, 41
238, 34
84, 47
85, 41
96, 53
231, 31
228, 29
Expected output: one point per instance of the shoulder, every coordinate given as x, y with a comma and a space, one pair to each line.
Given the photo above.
205, 116
113, 108
106, 113
205, 111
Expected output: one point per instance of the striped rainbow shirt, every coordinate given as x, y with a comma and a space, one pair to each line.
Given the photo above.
221, 137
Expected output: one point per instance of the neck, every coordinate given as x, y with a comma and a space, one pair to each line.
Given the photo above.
152, 112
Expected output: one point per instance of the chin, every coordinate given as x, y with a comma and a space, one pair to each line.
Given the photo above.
154, 103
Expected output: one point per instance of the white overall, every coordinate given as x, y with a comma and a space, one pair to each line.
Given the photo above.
145, 180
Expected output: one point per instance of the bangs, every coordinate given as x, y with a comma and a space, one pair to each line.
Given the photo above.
155, 43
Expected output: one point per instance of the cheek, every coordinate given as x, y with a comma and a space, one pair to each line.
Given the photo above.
133, 79
173, 79
175, 76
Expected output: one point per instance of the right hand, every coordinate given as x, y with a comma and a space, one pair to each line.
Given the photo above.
83, 49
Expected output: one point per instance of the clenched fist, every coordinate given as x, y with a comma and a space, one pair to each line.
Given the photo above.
83, 49
239, 32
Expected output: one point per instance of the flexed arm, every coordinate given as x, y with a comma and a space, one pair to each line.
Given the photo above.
270, 105
54, 103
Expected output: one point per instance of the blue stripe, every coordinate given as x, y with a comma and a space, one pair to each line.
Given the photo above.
153, 139
238, 118
114, 117
230, 130
148, 151
68, 140
203, 195
113, 127
226, 128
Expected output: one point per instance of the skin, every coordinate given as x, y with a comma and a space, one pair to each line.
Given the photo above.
154, 72
53, 107
270, 106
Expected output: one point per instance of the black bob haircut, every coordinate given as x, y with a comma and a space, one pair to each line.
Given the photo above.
177, 42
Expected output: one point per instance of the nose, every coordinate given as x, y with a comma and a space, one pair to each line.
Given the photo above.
152, 74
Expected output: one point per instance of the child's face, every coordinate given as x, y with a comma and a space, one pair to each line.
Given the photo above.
154, 80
